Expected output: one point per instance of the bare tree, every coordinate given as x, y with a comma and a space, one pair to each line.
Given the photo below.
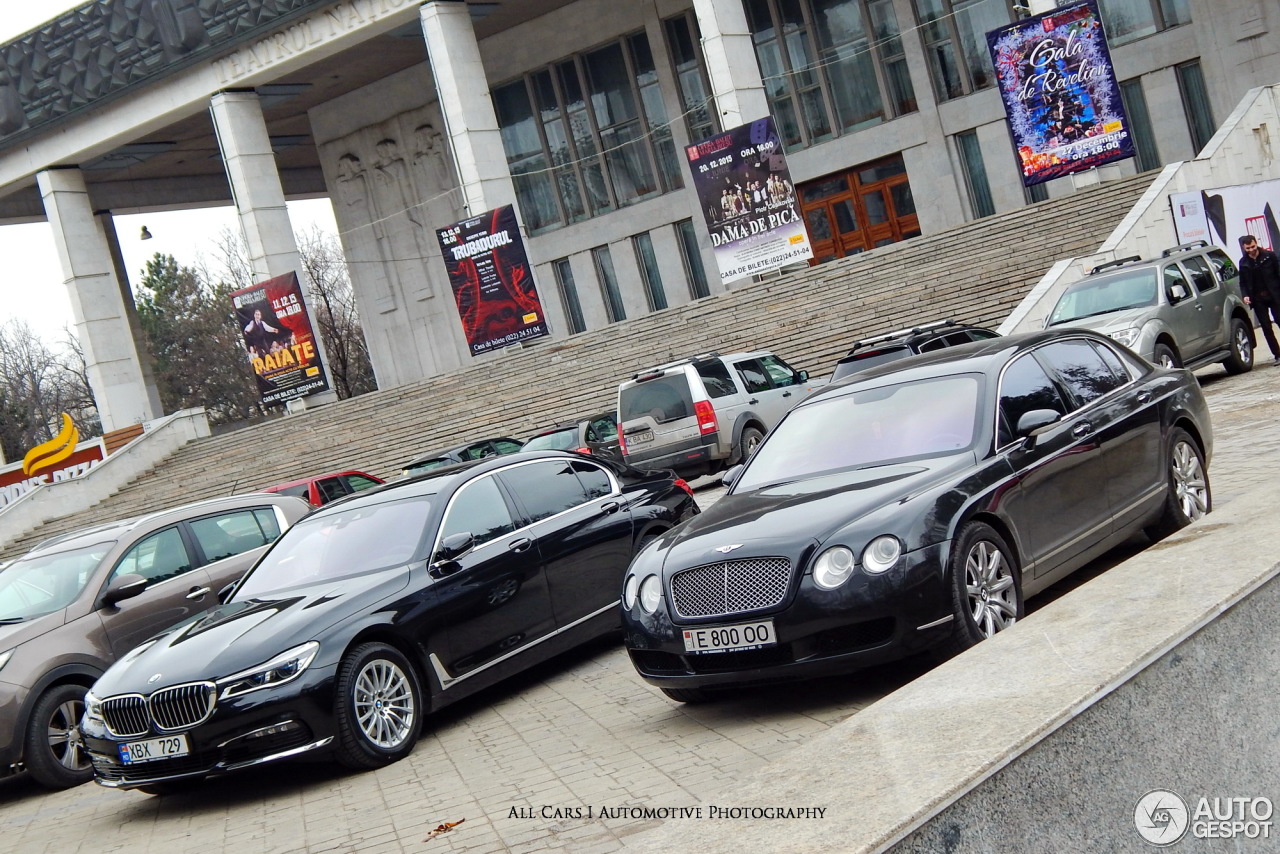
333, 307
37, 385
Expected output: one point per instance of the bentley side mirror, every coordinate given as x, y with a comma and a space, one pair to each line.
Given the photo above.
1034, 422
731, 476
124, 587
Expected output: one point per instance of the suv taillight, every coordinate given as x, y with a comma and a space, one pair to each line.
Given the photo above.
622, 442
706, 417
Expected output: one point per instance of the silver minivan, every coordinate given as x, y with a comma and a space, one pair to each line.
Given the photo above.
705, 413
1183, 309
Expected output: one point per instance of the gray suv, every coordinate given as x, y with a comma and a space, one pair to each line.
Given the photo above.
1182, 309
705, 413
76, 603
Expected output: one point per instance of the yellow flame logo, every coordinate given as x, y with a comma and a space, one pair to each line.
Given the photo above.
54, 451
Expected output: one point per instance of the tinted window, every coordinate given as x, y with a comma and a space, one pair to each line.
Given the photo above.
1113, 362
346, 541
663, 399
861, 361
606, 429
329, 489
1081, 369
159, 557
561, 440
302, 491
31, 586
480, 510
1201, 275
594, 480
545, 489
506, 446
1025, 387
780, 372
1173, 276
359, 483
933, 344
716, 379
229, 534
753, 375
479, 451
1222, 264
982, 334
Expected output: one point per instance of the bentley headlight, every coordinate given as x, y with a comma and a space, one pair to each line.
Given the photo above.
1127, 337
833, 568
650, 593
285, 667
881, 554
629, 592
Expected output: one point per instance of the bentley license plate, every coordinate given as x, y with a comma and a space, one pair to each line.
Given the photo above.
726, 638
153, 749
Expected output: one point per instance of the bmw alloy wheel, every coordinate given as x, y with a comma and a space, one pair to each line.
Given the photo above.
989, 585
384, 704
1189, 481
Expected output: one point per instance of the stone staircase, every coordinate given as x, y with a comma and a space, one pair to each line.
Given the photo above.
975, 273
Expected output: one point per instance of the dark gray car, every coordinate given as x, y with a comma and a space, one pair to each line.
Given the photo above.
76, 603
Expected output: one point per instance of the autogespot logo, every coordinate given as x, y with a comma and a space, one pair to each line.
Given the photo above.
1161, 817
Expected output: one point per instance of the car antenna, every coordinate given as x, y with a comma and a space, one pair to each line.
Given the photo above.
233, 486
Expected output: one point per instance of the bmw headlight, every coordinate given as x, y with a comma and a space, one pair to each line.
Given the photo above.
833, 568
629, 592
881, 554
285, 667
1127, 337
92, 707
650, 593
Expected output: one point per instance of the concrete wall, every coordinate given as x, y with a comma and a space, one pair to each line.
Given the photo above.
1241, 152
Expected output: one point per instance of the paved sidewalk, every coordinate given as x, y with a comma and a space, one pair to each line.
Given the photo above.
520, 765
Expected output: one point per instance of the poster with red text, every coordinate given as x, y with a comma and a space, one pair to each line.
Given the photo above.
491, 281
278, 339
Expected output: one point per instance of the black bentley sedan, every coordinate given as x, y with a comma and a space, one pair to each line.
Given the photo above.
916, 505
377, 610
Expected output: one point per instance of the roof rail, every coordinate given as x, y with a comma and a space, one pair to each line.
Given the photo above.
657, 371
1184, 247
1119, 262
898, 333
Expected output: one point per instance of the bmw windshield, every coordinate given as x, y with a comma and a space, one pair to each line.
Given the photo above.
1105, 294
875, 427
44, 583
349, 540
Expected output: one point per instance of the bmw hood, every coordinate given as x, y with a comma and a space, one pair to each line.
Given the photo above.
788, 518
241, 634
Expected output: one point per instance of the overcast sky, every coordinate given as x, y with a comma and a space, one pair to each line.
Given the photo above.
32, 288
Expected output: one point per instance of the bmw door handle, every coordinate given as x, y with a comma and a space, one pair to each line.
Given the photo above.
1144, 397
520, 545
198, 592
610, 507
1081, 429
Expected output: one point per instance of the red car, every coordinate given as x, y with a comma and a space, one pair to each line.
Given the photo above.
324, 488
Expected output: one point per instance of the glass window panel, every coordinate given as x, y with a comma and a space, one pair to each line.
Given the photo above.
692, 257
611, 98
877, 210
609, 283
545, 489
974, 21
932, 15
1195, 99
788, 127
815, 113
1024, 387
946, 73
884, 24
1082, 369
838, 22
824, 189
975, 173
881, 170
904, 204
1144, 138
855, 89
1175, 12
480, 510
628, 163
818, 223
157, 558
760, 20
1126, 20
569, 293
846, 216
901, 91
648, 261
230, 534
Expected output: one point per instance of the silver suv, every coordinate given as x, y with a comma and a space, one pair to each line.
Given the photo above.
706, 413
1182, 309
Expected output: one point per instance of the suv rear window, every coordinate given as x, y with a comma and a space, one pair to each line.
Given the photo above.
666, 398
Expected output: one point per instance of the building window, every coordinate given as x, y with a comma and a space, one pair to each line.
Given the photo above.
1144, 138
692, 257
587, 135
850, 212
975, 174
829, 66
648, 263
608, 284
1195, 101
1126, 20
684, 45
1036, 193
569, 295
955, 42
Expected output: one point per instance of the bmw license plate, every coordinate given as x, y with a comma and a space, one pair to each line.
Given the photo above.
727, 638
154, 748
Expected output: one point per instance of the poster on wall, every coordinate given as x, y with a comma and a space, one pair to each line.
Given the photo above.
491, 280
748, 200
1060, 93
278, 339
1223, 215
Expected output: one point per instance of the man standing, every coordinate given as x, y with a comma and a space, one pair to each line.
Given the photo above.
1260, 283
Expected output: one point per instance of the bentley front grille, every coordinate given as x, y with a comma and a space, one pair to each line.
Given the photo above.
731, 587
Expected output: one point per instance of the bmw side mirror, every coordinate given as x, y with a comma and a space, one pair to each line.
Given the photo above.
1034, 422
453, 547
731, 476
124, 587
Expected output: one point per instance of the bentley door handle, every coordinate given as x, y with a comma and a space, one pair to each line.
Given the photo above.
197, 592
610, 507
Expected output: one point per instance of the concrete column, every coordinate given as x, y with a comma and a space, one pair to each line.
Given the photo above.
731, 61
108, 224
115, 370
469, 117
259, 198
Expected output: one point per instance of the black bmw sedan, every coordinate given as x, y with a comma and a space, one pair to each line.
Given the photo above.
916, 506
377, 610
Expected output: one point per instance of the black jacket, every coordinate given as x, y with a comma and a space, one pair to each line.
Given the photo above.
1261, 276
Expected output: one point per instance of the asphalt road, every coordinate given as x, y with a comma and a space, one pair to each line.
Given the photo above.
528, 766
